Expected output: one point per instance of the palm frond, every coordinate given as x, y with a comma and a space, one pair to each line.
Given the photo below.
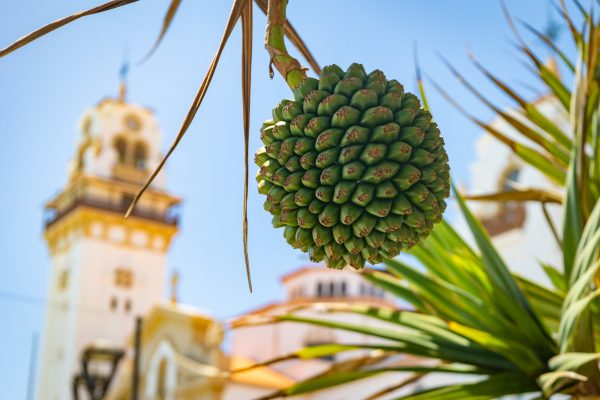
246, 86
490, 388
528, 108
551, 45
529, 194
554, 152
528, 154
351, 373
110, 5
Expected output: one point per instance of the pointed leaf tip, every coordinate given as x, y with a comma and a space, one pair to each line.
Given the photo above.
173, 6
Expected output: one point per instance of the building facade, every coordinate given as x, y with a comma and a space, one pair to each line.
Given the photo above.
105, 269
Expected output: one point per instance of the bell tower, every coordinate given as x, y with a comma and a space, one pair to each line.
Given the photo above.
105, 269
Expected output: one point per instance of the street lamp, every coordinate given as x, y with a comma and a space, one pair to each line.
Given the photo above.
99, 363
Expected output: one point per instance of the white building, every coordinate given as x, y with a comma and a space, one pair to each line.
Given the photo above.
105, 270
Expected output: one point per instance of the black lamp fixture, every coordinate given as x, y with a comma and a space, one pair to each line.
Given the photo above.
99, 362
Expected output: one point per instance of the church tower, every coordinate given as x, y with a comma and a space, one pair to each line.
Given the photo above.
105, 269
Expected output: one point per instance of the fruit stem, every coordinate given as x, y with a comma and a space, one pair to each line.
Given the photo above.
290, 68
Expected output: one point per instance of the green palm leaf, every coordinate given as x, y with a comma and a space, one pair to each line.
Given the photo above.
491, 388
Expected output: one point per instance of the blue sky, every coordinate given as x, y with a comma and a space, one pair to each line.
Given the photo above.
45, 86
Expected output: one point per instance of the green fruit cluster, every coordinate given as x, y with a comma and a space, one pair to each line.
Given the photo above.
353, 168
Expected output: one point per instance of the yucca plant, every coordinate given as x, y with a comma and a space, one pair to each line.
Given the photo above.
469, 312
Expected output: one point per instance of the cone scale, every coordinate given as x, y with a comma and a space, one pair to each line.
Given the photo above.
354, 169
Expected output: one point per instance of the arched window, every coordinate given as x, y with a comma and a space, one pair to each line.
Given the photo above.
113, 303
121, 149
140, 156
343, 288
320, 290
372, 291
128, 305
161, 382
63, 279
332, 289
510, 178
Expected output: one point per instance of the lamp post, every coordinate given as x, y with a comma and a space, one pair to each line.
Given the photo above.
99, 363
